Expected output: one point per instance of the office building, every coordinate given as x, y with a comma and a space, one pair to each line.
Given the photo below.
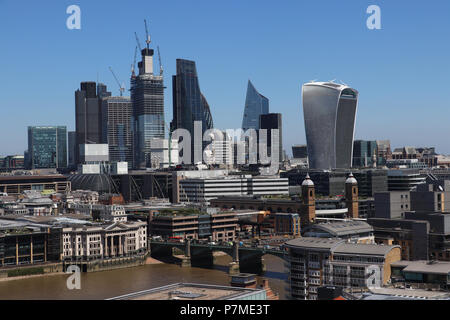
300, 151
71, 148
404, 179
163, 153
270, 122
88, 118
329, 112
315, 262
47, 147
332, 183
255, 105
117, 113
365, 154
189, 104
287, 224
219, 226
147, 98
205, 189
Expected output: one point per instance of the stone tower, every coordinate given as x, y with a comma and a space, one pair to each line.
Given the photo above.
351, 196
308, 212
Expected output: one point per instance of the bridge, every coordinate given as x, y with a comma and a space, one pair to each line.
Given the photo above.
244, 259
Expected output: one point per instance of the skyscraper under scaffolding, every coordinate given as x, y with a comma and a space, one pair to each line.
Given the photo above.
147, 98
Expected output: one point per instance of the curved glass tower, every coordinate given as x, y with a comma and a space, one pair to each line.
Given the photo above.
329, 111
255, 105
189, 104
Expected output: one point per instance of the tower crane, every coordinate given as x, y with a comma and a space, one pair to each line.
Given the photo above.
134, 61
160, 64
121, 86
138, 42
147, 40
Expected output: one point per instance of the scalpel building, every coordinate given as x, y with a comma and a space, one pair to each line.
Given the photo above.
329, 111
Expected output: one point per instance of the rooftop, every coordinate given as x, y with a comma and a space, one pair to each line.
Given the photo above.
191, 291
423, 266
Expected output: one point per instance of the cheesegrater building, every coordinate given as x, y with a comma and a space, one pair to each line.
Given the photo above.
329, 111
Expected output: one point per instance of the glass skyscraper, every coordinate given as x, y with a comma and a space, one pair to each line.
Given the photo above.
147, 98
117, 114
47, 147
329, 111
189, 104
255, 105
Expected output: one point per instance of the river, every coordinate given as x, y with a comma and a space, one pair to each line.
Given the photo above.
108, 284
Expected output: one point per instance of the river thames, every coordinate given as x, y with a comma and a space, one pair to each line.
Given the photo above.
108, 284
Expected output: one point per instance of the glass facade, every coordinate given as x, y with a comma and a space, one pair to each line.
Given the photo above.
47, 147
147, 97
329, 111
255, 105
363, 152
189, 104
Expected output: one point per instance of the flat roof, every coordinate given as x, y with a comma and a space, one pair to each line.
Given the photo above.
423, 266
313, 242
344, 227
363, 249
190, 291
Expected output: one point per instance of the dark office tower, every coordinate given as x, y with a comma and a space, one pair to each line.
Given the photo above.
299, 151
102, 91
88, 120
255, 105
47, 147
272, 121
72, 136
329, 111
117, 113
147, 98
363, 152
189, 104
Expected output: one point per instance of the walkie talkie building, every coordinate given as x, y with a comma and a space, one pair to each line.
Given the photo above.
329, 111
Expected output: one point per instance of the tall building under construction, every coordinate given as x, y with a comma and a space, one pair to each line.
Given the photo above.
147, 98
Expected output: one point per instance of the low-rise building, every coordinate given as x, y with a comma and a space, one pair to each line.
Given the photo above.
315, 262
354, 231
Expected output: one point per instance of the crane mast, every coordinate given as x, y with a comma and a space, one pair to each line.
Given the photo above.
121, 86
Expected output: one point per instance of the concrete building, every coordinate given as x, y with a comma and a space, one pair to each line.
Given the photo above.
163, 153
315, 262
15, 185
219, 226
329, 112
404, 179
83, 242
422, 273
205, 189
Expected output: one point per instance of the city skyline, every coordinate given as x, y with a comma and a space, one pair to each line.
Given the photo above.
390, 67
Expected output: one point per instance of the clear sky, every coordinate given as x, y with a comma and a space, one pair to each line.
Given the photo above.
401, 71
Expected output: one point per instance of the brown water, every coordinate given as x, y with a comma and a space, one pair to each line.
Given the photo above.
108, 284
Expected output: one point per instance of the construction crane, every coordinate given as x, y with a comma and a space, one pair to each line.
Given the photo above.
121, 86
160, 64
134, 61
147, 40
138, 42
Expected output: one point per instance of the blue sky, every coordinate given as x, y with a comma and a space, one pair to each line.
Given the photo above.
401, 71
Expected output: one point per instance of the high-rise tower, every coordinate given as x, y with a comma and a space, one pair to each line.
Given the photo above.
189, 104
147, 98
329, 111
88, 119
255, 105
